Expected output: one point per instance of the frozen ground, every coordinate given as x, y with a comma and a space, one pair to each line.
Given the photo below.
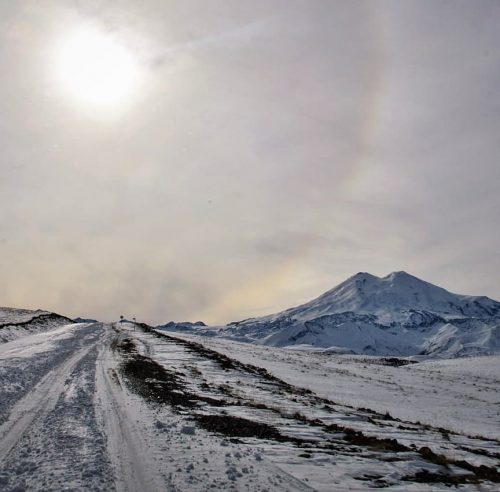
461, 395
107, 407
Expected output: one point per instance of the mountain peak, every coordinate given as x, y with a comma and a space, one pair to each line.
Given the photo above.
362, 276
391, 298
400, 275
398, 314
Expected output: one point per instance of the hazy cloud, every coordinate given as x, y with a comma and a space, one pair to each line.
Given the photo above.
272, 149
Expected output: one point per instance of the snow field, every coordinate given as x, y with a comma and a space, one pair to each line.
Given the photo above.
106, 407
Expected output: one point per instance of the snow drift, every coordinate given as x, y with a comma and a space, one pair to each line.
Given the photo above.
15, 323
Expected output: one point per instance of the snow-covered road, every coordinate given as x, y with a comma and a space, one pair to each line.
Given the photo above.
50, 438
106, 407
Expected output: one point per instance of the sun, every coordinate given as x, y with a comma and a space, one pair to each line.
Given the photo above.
96, 69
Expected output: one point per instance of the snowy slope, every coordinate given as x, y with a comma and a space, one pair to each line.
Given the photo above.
395, 315
456, 394
15, 323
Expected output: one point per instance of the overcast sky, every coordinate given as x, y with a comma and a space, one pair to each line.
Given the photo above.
265, 151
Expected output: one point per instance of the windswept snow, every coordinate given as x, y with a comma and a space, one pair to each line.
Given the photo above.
15, 323
461, 395
123, 407
397, 315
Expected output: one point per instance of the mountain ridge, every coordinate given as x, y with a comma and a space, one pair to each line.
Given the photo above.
398, 314
367, 293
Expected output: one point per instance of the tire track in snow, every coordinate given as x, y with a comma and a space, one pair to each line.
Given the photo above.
126, 447
37, 403
64, 447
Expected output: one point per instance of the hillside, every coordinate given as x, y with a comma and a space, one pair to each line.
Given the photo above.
15, 323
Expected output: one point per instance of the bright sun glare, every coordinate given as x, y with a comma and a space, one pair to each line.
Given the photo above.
96, 69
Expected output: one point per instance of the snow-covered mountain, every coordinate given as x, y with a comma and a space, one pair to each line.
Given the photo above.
395, 315
15, 323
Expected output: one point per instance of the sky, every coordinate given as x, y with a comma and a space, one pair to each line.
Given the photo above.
232, 159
